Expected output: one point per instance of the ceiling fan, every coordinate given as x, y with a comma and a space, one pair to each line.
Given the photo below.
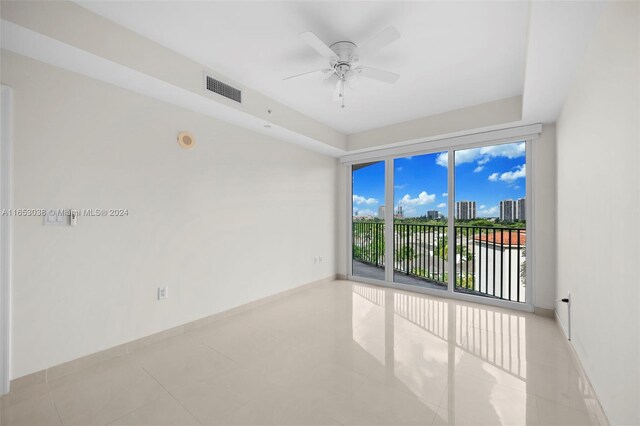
343, 57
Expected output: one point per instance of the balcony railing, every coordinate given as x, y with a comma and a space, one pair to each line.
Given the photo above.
489, 261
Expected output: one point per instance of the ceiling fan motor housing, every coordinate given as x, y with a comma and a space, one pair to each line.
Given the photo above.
345, 55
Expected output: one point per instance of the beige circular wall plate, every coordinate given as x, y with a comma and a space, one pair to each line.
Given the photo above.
186, 140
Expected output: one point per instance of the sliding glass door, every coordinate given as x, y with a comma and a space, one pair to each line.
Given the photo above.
420, 221
452, 220
367, 220
490, 221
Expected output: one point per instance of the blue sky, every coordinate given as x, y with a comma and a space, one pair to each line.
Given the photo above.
485, 175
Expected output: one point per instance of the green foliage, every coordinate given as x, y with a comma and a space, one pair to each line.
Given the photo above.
404, 253
358, 252
419, 272
368, 242
465, 281
442, 250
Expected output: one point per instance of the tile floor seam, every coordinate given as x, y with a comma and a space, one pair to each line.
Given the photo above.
156, 380
56, 407
170, 394
218, 352
186, 409
135, 409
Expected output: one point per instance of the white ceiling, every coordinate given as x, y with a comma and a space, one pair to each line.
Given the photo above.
451, 54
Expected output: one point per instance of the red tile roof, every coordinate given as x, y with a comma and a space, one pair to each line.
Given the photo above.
504, 237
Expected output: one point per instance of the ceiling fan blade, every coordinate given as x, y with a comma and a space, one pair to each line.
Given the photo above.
330, 80
312, 40
380, 75
386, 37
323, 70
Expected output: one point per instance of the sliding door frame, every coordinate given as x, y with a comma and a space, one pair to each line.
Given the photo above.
527, 134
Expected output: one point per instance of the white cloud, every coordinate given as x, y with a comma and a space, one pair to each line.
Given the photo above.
462, 157
510, 150
478, 169
404, 185
445, 194
442, 205
491, 211
511, 176
399, 169
422, 199
483, 155
443, 159
357, 199
483, 206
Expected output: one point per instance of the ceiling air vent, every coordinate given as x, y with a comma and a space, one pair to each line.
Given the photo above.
216, 86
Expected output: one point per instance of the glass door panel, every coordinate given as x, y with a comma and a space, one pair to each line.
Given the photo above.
490, 221
367, 224
420, 214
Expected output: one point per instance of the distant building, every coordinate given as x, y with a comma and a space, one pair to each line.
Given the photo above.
465, 210
522, 215
433, 214
507, 210
399, 214
381, 212
512, 210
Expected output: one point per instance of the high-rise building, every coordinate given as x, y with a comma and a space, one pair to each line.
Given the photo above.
399, 213
507, 210
513, 210
522, 211
381, 212
433, 214
465, 210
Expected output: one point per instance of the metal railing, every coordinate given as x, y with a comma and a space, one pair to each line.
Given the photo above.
368, 242
488, 260
491, 261
420, 251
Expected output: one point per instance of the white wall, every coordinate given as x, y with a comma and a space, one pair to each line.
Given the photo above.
544, 218
598, 139
239, 217
500, 112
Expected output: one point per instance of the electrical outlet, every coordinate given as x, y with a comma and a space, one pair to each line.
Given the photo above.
163, 293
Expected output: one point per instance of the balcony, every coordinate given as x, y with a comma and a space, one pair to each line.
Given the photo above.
489, 261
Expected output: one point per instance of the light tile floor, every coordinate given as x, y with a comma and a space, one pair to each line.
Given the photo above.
337, 353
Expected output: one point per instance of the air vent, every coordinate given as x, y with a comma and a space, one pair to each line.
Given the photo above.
216, 86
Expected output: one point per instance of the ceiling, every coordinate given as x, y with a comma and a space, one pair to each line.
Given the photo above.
451, 54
